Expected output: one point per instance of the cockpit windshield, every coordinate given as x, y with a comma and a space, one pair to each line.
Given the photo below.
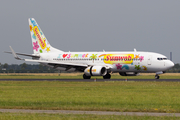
161, 58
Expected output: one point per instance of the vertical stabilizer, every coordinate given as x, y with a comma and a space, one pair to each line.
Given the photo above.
39, 41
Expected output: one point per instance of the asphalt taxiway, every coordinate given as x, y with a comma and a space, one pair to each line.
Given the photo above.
93, 80
88, 112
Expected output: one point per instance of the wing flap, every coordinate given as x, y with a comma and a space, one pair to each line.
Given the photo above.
58, 63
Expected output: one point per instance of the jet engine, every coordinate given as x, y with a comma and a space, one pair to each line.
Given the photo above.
95, 71
128, 73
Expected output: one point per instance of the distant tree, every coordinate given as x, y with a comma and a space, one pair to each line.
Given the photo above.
11, 71
5, 65
41, 67
23, 66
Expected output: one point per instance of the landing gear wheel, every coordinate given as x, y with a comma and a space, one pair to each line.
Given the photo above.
107, 76
156, 76
86, 77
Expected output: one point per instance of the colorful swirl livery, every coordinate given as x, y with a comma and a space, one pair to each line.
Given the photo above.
93, 63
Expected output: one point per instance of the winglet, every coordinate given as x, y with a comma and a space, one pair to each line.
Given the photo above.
14, 54
135, 50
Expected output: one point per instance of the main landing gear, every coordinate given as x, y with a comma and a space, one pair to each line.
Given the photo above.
156, 76
107, 76
86, 77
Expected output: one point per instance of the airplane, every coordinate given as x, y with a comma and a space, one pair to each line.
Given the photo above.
93, 63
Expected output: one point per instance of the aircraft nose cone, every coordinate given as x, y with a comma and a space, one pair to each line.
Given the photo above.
170, 64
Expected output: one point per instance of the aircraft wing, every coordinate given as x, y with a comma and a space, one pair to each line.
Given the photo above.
60, 63
66, 65
55, 64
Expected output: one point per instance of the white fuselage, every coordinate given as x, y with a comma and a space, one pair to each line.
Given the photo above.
116, 61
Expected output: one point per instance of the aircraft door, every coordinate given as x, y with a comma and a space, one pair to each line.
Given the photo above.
149, 59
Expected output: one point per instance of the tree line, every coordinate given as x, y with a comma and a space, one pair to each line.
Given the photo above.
26, 68
39, 68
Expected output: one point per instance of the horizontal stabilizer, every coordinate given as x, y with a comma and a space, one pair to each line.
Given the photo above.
29, 55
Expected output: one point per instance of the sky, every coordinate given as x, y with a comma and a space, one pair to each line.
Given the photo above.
92, 25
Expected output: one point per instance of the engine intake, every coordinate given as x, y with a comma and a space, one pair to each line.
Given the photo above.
95, 71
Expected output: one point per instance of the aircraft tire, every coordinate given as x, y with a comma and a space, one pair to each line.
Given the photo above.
107, 76
156, 76
86, 77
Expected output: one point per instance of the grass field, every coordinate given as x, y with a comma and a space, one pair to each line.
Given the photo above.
79, 76
100, 96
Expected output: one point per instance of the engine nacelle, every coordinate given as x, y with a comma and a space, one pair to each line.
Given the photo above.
128, 73
95, 71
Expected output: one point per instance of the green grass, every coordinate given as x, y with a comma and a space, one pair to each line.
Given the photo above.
100, 96
30, 116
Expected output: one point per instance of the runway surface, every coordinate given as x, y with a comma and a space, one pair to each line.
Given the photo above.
93, 80
88, 112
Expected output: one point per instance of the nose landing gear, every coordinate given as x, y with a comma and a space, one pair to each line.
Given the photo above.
156, 76
158, 73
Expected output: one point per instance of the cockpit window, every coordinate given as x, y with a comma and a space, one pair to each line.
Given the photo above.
161, 58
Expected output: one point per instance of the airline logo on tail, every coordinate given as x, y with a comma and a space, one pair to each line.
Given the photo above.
39, 37
37, 34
